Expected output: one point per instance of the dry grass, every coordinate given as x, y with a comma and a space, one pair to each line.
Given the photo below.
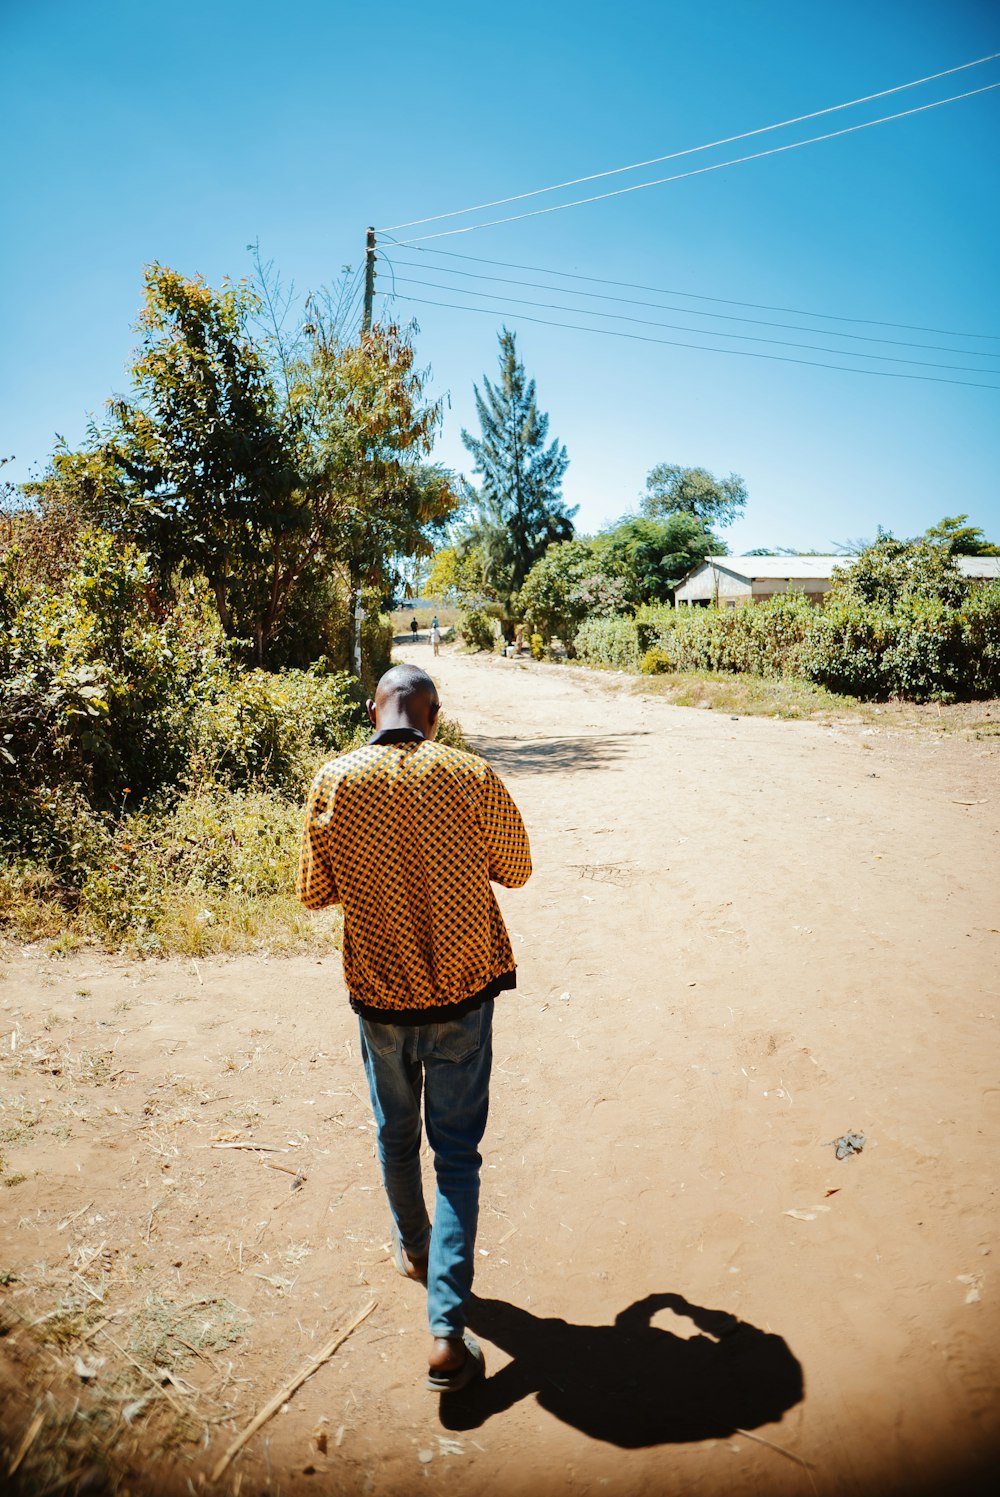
446, 617
226, 922
754, 696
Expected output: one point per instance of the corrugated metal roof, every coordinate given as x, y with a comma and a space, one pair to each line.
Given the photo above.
979, 566
753, 567
775, 568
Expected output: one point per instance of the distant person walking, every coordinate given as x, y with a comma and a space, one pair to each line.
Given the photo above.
407, 835
435, 635
413, 628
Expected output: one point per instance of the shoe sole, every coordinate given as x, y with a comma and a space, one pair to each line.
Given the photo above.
472, 1368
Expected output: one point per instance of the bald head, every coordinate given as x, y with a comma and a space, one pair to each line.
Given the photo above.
405, 697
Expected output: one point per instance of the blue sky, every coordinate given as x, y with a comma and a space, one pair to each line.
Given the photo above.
179, 133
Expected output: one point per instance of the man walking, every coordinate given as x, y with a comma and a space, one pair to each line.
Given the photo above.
407, 835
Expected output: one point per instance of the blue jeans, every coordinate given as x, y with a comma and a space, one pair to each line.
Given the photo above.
450, 1063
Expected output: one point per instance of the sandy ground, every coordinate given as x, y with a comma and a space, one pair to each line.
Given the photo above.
743, 939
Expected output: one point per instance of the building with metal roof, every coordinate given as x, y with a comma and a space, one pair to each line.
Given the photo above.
728, 580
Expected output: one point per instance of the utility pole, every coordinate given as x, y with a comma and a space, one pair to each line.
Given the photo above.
366, 317
366, 327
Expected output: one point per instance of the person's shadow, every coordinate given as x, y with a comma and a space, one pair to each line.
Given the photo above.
631, 1383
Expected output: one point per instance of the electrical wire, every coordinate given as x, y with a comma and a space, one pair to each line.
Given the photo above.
699, 171
743, 353
727, 140
632, 301
723, 301
702, 332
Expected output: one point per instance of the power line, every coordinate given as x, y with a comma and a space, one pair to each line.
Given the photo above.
691, 150
680, 328
687, 311
743, 353
599, 197
724, 301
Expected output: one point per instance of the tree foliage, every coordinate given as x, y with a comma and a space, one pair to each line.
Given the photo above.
960, 538
456, 576
555, 597
890, 571
518, 510
671, 490
274, 466
651, 556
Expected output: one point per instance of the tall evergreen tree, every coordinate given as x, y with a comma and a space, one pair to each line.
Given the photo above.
518, 508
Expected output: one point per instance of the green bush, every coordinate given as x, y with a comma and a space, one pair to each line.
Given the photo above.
922, 648
981, 630
613, 642
98, 678
270, 730
918, 646
656, 662
476, 628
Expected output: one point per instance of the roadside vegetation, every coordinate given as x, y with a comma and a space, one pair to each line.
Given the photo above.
901, 623
191, 614
195, 603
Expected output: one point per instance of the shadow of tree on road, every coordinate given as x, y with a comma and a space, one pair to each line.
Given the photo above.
520, 756
631, 1383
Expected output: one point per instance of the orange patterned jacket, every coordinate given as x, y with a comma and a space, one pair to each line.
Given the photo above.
407, 834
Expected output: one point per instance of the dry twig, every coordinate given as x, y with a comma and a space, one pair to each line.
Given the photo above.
289, 1388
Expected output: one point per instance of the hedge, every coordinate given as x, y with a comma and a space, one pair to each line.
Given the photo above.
921, 648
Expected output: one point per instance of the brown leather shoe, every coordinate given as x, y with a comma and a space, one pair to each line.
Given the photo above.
454, 1362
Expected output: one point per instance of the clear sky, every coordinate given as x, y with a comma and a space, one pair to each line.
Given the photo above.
180, 132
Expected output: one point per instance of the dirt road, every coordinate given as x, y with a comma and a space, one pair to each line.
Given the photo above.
743, 940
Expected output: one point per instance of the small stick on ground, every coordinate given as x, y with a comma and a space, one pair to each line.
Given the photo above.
263, 1148
289, 1169
289, 1388
66, 1220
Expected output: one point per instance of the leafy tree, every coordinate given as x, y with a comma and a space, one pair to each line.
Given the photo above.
456, 576
652, 555
362, 430
554, 599
961, 539
671, 490
518, 510
267, 462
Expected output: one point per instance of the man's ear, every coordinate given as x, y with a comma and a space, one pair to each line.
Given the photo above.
433, 710
370, 709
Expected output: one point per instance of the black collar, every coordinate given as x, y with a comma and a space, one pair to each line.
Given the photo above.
397, 735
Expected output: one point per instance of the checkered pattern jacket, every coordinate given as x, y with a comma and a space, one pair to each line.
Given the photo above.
407, 837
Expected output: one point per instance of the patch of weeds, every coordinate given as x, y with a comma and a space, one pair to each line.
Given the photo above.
91, 1069
17, 1120
165, 1332
747, 695
65, 942
71, 1319
249, 1114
